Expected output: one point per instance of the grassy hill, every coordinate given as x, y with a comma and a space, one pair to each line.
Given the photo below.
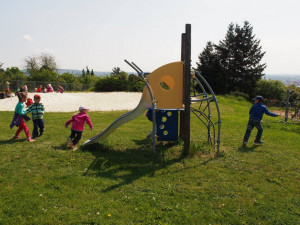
122, 182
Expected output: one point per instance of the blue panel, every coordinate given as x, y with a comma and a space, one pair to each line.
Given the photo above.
167, 125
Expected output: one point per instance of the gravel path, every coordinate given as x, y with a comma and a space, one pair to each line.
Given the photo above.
70, 102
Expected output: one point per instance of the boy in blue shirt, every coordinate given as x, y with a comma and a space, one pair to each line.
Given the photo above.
37, 109
255, 116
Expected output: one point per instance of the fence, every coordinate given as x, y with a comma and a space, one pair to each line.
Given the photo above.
17, 84
290, 110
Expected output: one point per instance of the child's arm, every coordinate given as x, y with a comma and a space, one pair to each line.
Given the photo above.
29, 109
69, 121
269, 113
89, 122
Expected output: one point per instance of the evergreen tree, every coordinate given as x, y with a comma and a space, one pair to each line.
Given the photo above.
234, 64
87, 71
92, 73
1, 68
83, 73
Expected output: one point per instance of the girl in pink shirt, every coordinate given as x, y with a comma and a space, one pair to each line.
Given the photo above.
78, 121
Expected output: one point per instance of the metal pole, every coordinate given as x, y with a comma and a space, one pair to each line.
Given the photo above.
287, 105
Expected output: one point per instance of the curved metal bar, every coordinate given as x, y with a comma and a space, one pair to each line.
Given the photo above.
217, 106
209, 111
141, 73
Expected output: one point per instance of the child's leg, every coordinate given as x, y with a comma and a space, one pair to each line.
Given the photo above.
26, 130
77, 138
259, 131
35, 129
248, 131
73, 134
41, 126
18, 131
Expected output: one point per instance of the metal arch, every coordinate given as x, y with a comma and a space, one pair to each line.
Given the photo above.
202, 116
142, 75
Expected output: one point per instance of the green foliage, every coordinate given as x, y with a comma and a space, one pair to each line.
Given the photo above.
119, 82
44, 75
13, 73
271, 89
107, 84
240, 94
234, 64
68, 78
122, 182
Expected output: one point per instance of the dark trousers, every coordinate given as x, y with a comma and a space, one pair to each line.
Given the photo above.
251, 124
75, 136
37, 124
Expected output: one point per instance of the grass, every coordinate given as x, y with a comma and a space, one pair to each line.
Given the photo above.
122, 182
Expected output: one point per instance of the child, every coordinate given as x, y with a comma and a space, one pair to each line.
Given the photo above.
255, 116
78, 121
7, 90
60, 89
49, 88
20, 115
37, 109
39, 89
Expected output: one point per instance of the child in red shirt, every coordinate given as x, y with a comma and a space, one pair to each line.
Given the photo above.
78, 121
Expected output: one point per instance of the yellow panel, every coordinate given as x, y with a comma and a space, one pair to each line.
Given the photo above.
171, 75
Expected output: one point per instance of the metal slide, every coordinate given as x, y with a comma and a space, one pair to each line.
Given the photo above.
144, 103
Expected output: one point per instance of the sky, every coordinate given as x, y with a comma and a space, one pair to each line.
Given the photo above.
100, 34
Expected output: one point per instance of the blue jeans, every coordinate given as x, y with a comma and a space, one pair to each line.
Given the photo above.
251, 124
38, 123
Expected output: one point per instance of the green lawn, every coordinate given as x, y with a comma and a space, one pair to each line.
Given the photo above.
122, 182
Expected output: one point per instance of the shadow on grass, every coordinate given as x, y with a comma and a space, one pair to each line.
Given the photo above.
61, 147
124, 167
12, 140
246, 149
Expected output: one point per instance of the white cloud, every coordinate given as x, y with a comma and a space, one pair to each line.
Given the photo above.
27, 37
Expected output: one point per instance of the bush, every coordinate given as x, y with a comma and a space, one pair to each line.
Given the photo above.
108, 84
271, 89
240, 94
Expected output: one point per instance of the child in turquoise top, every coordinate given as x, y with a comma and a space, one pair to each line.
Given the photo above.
20, 115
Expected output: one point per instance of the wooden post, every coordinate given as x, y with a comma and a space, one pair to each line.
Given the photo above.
181, 130
187, 84
287, 105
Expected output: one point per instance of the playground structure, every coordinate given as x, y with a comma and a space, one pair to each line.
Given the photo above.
167, 92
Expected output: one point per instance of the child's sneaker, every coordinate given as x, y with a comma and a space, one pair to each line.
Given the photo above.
16, 137
31, 140
73, 147
68, 142
258, 142
244, 144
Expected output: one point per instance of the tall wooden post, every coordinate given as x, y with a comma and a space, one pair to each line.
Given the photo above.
182, 113
287, 105
187, 84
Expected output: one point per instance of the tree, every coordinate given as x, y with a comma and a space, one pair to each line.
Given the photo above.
35, 64
116, 71
31, 64
92, 73
235, 63
13, 73
271, 89
1, 68
47, 62
87, 71
83, 73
